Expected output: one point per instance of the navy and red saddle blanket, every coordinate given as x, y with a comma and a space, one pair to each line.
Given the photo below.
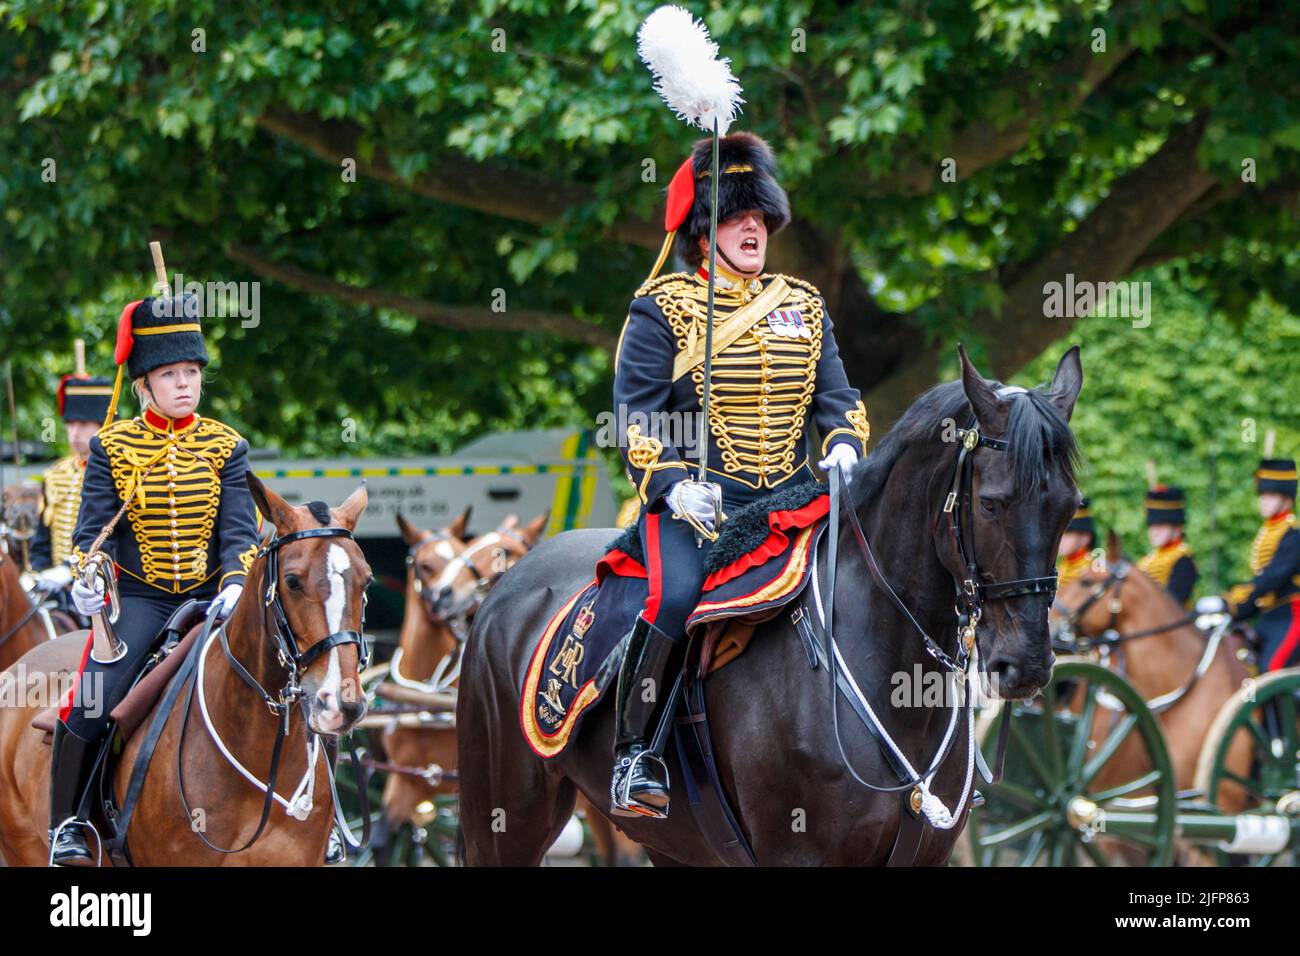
760, 562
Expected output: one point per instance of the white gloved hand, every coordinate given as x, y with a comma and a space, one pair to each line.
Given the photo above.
843, 457
696, 499
225, 601
1212, 604
57, 577
87, 599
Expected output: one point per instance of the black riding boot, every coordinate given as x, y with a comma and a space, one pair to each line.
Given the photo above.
640, 782
71, 761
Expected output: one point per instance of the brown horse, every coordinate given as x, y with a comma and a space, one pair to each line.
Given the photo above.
1158, 649
320, 583
447, 578
22, 627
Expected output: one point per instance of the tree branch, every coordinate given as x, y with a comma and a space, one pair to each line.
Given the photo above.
461, 317
1142, 205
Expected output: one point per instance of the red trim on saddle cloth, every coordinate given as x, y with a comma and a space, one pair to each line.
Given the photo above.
620, 564
66, 709
776, 542
1289, 642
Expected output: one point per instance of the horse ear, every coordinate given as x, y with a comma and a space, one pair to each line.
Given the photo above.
274, 508
533, 530
349, 513
1067, 383
458, 527
990, 411
410, 533
1114, 548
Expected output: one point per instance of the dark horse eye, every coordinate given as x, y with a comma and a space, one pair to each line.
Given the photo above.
292, 582
990, 505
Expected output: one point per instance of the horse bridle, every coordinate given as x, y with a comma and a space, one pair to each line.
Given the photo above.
970, 598
1112, 635
290, 657
971, 592
293, 661
483, 583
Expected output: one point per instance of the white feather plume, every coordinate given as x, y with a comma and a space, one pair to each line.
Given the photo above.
695, 83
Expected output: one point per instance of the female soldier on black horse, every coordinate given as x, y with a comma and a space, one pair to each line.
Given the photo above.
189, 531
774, 362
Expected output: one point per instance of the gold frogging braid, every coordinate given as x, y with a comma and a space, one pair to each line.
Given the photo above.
859, 428
172, 481
62, 502
1159, 564
643, 453
1262, 550
1072, 568
763, 383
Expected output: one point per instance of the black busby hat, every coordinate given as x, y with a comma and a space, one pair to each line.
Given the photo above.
1276, 475
747, 181
1166, 505
154, 332
84, 399
1082, 520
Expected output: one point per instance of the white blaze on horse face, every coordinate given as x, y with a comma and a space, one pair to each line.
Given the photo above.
337, 564
452, 571
444, 550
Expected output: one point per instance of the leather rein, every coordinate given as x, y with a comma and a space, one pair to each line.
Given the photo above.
276, 626
971, 595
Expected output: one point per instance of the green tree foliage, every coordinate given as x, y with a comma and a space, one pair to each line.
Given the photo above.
945, 160
1195, 392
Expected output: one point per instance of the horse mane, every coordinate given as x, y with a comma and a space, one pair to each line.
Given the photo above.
1038, 438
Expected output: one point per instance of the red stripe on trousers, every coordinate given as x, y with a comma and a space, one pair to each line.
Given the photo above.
66, 709
654, 568
1289, 643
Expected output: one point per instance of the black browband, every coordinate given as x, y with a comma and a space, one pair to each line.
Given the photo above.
971, 592
290, 656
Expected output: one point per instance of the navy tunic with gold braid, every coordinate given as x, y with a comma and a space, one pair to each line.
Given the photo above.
775, 365
191, 519
1274, 594
189, 531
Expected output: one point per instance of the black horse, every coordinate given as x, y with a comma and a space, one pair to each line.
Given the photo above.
771, 714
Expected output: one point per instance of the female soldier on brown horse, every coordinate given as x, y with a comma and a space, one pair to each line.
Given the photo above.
279, 675
170, 486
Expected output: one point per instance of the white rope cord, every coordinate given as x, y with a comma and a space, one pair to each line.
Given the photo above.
437, 683
933, 808
299, 805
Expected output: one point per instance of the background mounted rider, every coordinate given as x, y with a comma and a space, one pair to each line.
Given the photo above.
1273, 597
1170, 562
1074, 553
775, 363
83, 404
190, 531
